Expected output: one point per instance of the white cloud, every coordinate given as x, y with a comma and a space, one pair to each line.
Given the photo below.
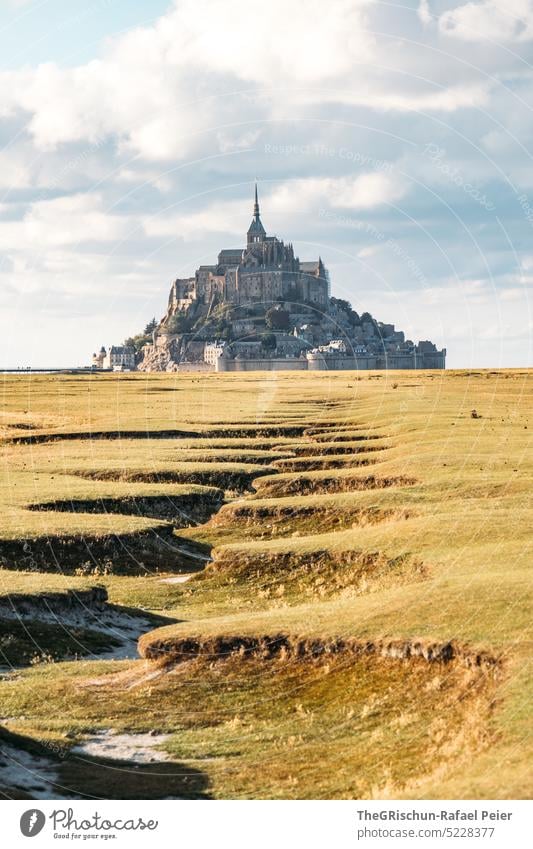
273, 41
14, 170
140, 176
368, 251
204, 60
368, 191
228, 142
424, 12
73, 220
224, 217
491, 20
365, 191
282, 204
155, 105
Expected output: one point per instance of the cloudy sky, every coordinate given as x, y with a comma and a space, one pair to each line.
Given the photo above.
393, 139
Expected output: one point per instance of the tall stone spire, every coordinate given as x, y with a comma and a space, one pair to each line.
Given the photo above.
256, 231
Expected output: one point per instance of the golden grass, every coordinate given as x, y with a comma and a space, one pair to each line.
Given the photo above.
441, 553
277, 729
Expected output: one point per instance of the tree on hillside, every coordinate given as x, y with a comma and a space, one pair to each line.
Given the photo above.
151, 326
137, 341
269, 342
177, 323
277, 319
346, 307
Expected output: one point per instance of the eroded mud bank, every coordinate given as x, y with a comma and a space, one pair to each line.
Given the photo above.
182, 511
238, 480
154, 550
261, 432
302, 485
268, 647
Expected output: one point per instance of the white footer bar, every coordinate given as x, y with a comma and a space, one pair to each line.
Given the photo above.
267, 824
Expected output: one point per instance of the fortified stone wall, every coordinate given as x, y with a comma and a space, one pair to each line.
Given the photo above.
317, 363
224, 364
195, 367
401, 361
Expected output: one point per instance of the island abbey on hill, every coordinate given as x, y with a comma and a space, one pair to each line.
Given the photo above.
261, 307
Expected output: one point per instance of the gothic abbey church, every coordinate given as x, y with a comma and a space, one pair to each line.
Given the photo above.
265, 271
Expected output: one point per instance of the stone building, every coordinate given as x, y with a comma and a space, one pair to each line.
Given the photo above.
119, 356
98, 359
263, 272
212, 351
